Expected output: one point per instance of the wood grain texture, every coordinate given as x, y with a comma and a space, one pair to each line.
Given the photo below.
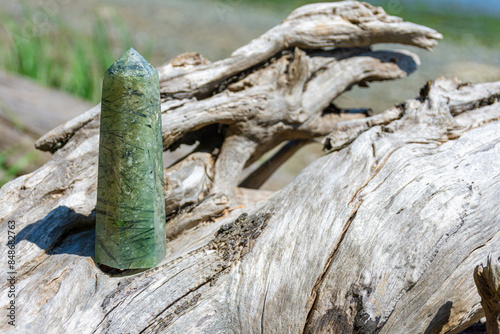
487, 279
380, 235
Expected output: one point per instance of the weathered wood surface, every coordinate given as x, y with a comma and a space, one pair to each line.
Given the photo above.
487, 279
380, 235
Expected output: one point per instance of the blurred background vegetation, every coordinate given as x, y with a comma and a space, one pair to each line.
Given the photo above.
68, 45
60, 55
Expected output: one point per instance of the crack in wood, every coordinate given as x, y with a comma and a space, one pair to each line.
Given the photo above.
458, 109
316, 288
263, 311
105, 316
162, 324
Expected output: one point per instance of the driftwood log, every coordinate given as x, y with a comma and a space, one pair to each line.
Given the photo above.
380, 235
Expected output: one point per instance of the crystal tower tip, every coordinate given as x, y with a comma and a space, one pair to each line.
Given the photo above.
131, 63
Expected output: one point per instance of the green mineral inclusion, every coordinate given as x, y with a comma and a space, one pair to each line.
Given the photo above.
130, 211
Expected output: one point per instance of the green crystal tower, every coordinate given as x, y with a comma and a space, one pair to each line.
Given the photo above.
130, 211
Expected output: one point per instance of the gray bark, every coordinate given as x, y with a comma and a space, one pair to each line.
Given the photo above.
381, 234
487, 279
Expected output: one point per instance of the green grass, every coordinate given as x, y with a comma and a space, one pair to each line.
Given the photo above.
57, 55
8, 171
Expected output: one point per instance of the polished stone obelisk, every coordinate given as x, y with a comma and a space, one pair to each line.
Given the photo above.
130, 212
